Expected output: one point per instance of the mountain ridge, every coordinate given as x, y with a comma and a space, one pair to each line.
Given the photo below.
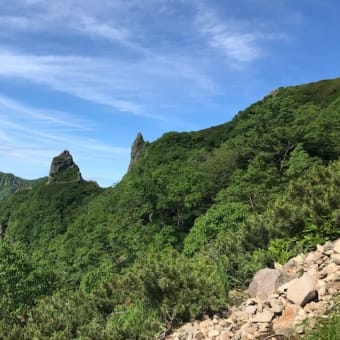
9, 184
197, 214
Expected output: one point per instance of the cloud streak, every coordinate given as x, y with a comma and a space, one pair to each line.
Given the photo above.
45, 131
156, 64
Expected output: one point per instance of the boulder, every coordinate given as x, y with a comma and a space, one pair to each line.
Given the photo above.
336, 246
265, 316
335, 258
265, 283
285, 323
303, 290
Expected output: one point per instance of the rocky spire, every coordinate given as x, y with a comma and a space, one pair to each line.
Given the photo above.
137, 148
63, 168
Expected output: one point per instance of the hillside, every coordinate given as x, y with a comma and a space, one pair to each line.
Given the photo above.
10, 184
197, 214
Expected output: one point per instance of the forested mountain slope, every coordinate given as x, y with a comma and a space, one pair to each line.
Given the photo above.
10, 184
196, 214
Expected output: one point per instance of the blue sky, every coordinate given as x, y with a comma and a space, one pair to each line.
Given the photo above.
88, 75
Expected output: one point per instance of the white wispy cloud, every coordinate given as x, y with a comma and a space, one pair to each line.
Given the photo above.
83, 77
47, 127
34, 136
236, 45
240, 41
51, 116
125, 86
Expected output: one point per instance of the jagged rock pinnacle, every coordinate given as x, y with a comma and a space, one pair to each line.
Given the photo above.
136, 150
63, 168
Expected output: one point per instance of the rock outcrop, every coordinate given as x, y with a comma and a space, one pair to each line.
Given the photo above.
63, 169
137, 148
310, 282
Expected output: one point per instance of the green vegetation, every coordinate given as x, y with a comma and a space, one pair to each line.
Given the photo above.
197, 213
9, 184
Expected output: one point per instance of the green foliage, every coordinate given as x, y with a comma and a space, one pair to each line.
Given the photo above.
65, 315
299, 162
135, 321
36, 216
22, 283
281, 250
162, 289
9, 184
197, 213
67, 175
220, 218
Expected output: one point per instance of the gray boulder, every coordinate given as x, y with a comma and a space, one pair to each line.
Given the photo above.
303, 290
265, 283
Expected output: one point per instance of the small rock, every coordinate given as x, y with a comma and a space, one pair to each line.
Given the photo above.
251, 309
225, 336
265, 317
312, 257
263, 327
336, 259
330, 268
301, 316
213, 333
321, 291
276, 308
251, 302
199, 336
241, 316
336, 246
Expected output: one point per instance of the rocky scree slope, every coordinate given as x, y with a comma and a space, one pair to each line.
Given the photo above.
283, 302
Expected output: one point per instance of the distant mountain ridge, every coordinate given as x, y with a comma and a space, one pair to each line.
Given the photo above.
63, 169
10, 183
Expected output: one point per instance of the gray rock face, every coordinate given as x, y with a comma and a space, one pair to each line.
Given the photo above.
265, 283
63, 168
137, 148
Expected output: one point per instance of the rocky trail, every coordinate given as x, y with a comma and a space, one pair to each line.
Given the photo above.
282, 302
